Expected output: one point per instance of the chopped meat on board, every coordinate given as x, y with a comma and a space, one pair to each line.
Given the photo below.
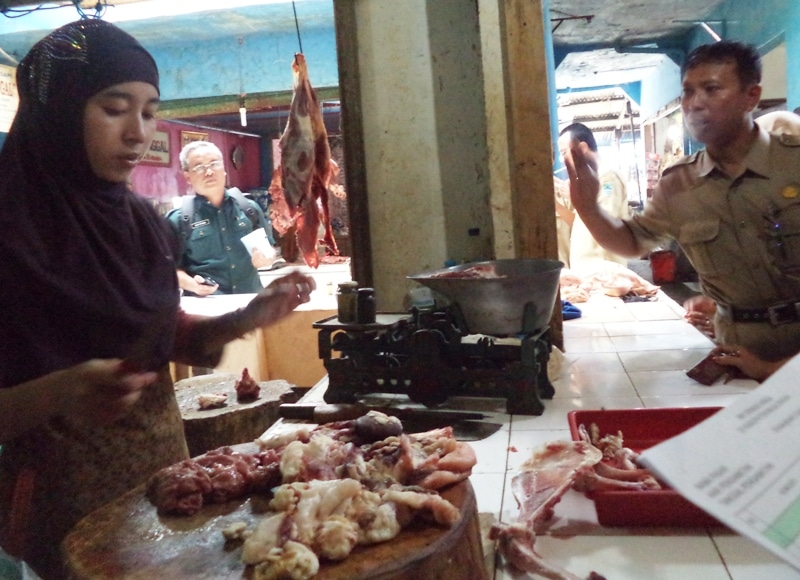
211, 401
306, 167
429, 460
335, 490
216, 477
330, 518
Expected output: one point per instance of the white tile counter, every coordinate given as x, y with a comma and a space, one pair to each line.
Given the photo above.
618, 356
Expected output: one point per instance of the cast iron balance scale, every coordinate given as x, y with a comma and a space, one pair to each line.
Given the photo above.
431, 356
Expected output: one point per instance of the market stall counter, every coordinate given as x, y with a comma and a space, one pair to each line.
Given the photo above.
620, 356
285, 350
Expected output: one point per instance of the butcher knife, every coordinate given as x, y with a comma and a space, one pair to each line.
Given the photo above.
467, 426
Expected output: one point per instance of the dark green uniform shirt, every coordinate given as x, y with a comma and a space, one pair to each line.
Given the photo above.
214, 247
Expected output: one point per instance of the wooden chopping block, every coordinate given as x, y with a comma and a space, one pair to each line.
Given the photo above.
127, 539
235, 422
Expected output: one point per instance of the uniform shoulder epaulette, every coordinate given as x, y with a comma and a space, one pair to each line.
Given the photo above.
682, 162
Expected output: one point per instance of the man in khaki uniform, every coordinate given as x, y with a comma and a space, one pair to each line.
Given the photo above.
612, 196
734, 207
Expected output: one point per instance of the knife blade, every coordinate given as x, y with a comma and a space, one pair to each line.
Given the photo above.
467, 426
327, 413
466, 430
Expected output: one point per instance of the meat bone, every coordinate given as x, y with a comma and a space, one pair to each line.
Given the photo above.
467, 426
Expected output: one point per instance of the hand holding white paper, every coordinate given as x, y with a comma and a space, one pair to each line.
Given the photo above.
257, 239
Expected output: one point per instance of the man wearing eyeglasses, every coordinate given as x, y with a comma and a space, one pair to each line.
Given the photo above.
210, 227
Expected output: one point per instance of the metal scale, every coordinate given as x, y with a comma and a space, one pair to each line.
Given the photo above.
430, 356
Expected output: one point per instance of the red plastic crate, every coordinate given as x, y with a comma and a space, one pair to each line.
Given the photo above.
643, 428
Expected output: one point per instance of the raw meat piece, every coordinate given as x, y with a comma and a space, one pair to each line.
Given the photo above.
593, 464
483, 271
332, 517
603, 277
218, 476
539, 486
212, 401
546, 477
279, 211
179, 488
247, 389
306, 166
429, 460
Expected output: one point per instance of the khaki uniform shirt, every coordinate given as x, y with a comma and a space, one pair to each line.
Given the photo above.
613, 198
742, 235
563, 229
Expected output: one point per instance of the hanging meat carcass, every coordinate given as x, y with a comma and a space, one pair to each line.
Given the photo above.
281, 217
306, 167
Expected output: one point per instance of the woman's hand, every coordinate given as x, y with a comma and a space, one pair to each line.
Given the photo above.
747, 362
279, 298
96, 391
102, 390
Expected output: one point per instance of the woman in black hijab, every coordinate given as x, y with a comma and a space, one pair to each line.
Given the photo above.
89, 293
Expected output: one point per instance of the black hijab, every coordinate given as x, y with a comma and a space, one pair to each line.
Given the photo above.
86, 267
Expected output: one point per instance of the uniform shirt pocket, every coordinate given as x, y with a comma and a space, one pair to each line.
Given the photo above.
203, 244
698, 240
242, 227
782, 234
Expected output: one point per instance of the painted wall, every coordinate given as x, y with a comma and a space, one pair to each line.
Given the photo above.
192, 69
163, 182
261, 63
793, 57
659, 87
760, 23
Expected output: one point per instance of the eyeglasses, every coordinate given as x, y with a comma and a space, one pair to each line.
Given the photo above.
202, 169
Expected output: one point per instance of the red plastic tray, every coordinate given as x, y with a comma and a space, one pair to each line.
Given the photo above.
643, 428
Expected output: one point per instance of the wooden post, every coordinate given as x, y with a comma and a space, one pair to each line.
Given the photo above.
530, 149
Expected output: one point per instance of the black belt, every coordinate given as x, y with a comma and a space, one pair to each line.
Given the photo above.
775, 315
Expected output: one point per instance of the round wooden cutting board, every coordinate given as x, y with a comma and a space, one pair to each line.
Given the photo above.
233, 423
127, 539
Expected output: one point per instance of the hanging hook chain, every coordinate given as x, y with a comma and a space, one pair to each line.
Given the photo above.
297, 26
99, 9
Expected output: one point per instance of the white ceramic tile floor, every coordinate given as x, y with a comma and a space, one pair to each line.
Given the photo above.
619, 356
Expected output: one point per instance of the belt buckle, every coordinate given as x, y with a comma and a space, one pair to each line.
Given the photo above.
783, 314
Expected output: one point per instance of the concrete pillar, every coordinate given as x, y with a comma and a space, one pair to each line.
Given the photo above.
793, 57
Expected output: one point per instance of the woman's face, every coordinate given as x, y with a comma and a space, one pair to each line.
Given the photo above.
118, 125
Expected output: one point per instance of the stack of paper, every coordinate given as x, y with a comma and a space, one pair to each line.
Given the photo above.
742, 465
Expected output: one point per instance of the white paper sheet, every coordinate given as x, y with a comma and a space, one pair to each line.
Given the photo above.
258, 239
742, 465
